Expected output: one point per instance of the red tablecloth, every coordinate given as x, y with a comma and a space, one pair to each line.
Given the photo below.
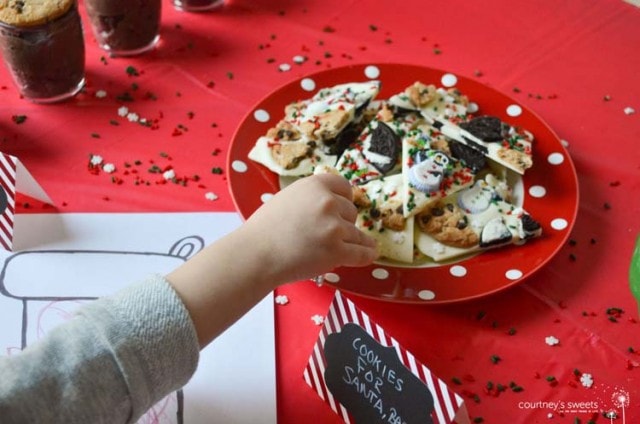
575, 63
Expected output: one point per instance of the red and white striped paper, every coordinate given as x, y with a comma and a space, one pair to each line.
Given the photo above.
447, 404
8, 172
14, 178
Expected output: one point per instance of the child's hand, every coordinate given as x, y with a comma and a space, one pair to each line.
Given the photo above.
308, 229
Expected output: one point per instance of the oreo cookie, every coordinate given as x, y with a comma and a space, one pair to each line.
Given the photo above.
344, 139
495, 233
530, 226
486, 128
385, 142
471, 158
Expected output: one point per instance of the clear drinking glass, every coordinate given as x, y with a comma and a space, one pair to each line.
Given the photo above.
125, 27
44, 50
197, 5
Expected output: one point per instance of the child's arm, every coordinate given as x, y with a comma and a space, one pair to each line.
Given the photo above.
123, 353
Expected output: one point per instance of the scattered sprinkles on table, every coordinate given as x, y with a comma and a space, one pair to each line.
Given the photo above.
95, 160
317, 319
169, 174
211, 196
133, 117
629, 110
101, 94
109, 168
19, 119
281, 299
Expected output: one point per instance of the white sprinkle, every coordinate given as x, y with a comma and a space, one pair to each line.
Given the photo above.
109, 168
133, 117
551, 341
550, 415
299, 59
169, 175
586, 380
211, 196
282, 299
629, 110
317, 319
101, 94
96, 160
284, 67
123, 111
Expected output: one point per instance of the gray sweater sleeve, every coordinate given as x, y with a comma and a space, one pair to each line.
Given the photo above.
114, 360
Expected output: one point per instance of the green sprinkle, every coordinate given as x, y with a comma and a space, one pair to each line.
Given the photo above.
19, 119
131, 71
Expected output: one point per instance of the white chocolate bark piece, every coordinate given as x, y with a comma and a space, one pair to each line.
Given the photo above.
433, 102
514, 152
303, 138
380, 215
493, 220
298, 158
359, 163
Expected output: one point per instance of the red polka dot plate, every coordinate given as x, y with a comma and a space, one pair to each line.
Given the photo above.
549, 190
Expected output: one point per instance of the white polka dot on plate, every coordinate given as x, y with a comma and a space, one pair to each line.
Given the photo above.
537, 191
261, 115
284, 67
239, 166
266, 197
473, 107
555, 158
331, 277
380, 274
513, 274
426, 295
458, 271
559, 224
308, 84
514, 110
372, 72
449, 80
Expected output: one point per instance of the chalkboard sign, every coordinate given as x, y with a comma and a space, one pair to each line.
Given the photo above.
371, 382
